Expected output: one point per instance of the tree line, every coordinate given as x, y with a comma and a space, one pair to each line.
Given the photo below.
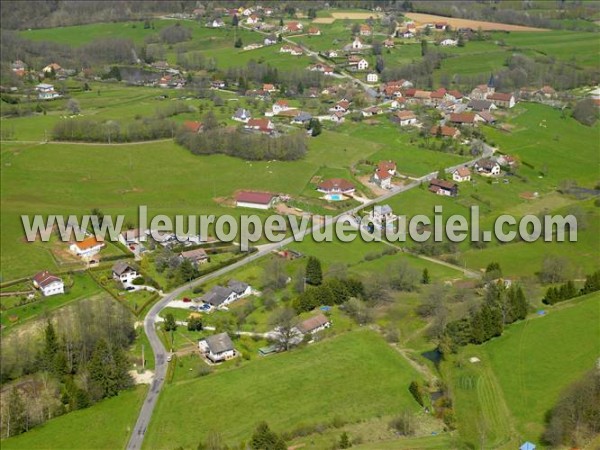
90, 130
567, 291
66, 370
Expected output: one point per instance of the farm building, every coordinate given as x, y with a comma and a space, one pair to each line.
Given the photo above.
257, 200
48, 284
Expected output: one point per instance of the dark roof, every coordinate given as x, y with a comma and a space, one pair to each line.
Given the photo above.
479, 105
194, 255
447, 185
217, 295
121, 267
261, 198
237, 286
487, 164
313, 323
491, 81
219, 343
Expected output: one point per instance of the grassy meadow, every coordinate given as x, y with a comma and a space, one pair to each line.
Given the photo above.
319, 373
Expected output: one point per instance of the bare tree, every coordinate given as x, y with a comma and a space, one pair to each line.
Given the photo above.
284, 322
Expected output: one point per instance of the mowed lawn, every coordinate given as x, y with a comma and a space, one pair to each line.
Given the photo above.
106, 425
353, 376
523, 372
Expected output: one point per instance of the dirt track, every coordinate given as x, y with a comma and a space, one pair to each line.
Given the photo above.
421, 19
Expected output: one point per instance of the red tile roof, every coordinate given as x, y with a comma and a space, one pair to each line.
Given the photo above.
446, 131
462, 117
337, 184
193, 126
88, 243
44, 278
386, 165
260, 198
500, 97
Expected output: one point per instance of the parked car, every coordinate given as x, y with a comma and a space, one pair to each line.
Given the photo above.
187, 300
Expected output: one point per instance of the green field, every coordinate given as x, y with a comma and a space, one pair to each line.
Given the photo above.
261, 391
505, 397
106, 425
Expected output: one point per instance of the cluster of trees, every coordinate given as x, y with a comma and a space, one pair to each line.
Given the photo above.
576, 417
173, 109
332, 291
89, 130
586, 112
177, 270
566, 291
244, 144
419, 72
500, 307
175, 33
263, 438
70, 369
195, 60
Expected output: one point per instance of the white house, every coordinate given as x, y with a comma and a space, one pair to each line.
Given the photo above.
124, 273
461, 174
270, 40
487, 167
449, 43
372, 77
337, 117
240, 288
405, 118
314, 324
331, 54
253, 19
217, 23
217, 347
87, 248
383, 179
219, 297
46, 91
356, 44
48, 284
363, 64
280, 105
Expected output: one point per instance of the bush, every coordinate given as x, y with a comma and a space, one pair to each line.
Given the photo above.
404, 423
139, 281
417, 392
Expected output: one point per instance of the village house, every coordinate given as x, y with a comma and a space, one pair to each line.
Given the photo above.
318, 67
449, 43
441, 26
437, 97
263, 125
253, 19
506, 160
481, 105
240, 288
86, 248
487, 167
216, 23
293, 50
46, 91
445, 131
217, 348
404, 118
465, 119
241, 115
382, 178
314, 31
482, 91
293, 27
256, 200
270, 40
267, 87
342, 106
381, 215
366, 30
357, 44
547, 91
502, 100
461, 174
371, 111
389, 43
193, 126
197, 256
217, 84
314, 324
53, 67
124, 273
363, 64
372, 77
453, 95
331, 54
130, 237
387, 166
18, 65
279, 106
337, 117
219, 297
48, 284
443, 187
336, 186
486, 117
302, 118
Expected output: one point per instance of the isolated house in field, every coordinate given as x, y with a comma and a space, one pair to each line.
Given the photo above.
449, 43
86, 248
124, 273
336, 186
382, 214
293, 50
48, 284
256, 200
487, 167
314, 324
196, 257
382, 178
217, 347
443, 187
461, 174
46, 91
293, 27
366, 30
314, 31
502, 100
219, 297
280, 105
270, 40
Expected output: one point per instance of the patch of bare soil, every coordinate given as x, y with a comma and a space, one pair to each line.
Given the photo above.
454, 22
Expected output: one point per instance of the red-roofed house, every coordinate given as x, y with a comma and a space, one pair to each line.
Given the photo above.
366, 30
382, 178
466, 118
445, 131
293, 27
405, 118
336, 186
314, 31
280, 105
87, 248
257, 200
193, 126
387, 166
502, 100
263, 124
48, 284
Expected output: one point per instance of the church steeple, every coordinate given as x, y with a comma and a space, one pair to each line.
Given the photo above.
491, 85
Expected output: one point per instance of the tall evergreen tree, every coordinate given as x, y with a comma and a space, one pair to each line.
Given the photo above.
16, 420
314, 273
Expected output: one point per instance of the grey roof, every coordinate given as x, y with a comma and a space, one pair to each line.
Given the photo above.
479, 105
383, 209
121, 267
241, 112
486, 163
237, 286
219, 343
217, 295
303, 117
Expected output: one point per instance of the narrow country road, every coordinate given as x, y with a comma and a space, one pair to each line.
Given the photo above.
160, 353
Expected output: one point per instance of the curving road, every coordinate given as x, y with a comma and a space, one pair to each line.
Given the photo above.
160, 353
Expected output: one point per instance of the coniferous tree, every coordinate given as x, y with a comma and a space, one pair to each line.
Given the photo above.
314, 273
16, 416
425, 279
